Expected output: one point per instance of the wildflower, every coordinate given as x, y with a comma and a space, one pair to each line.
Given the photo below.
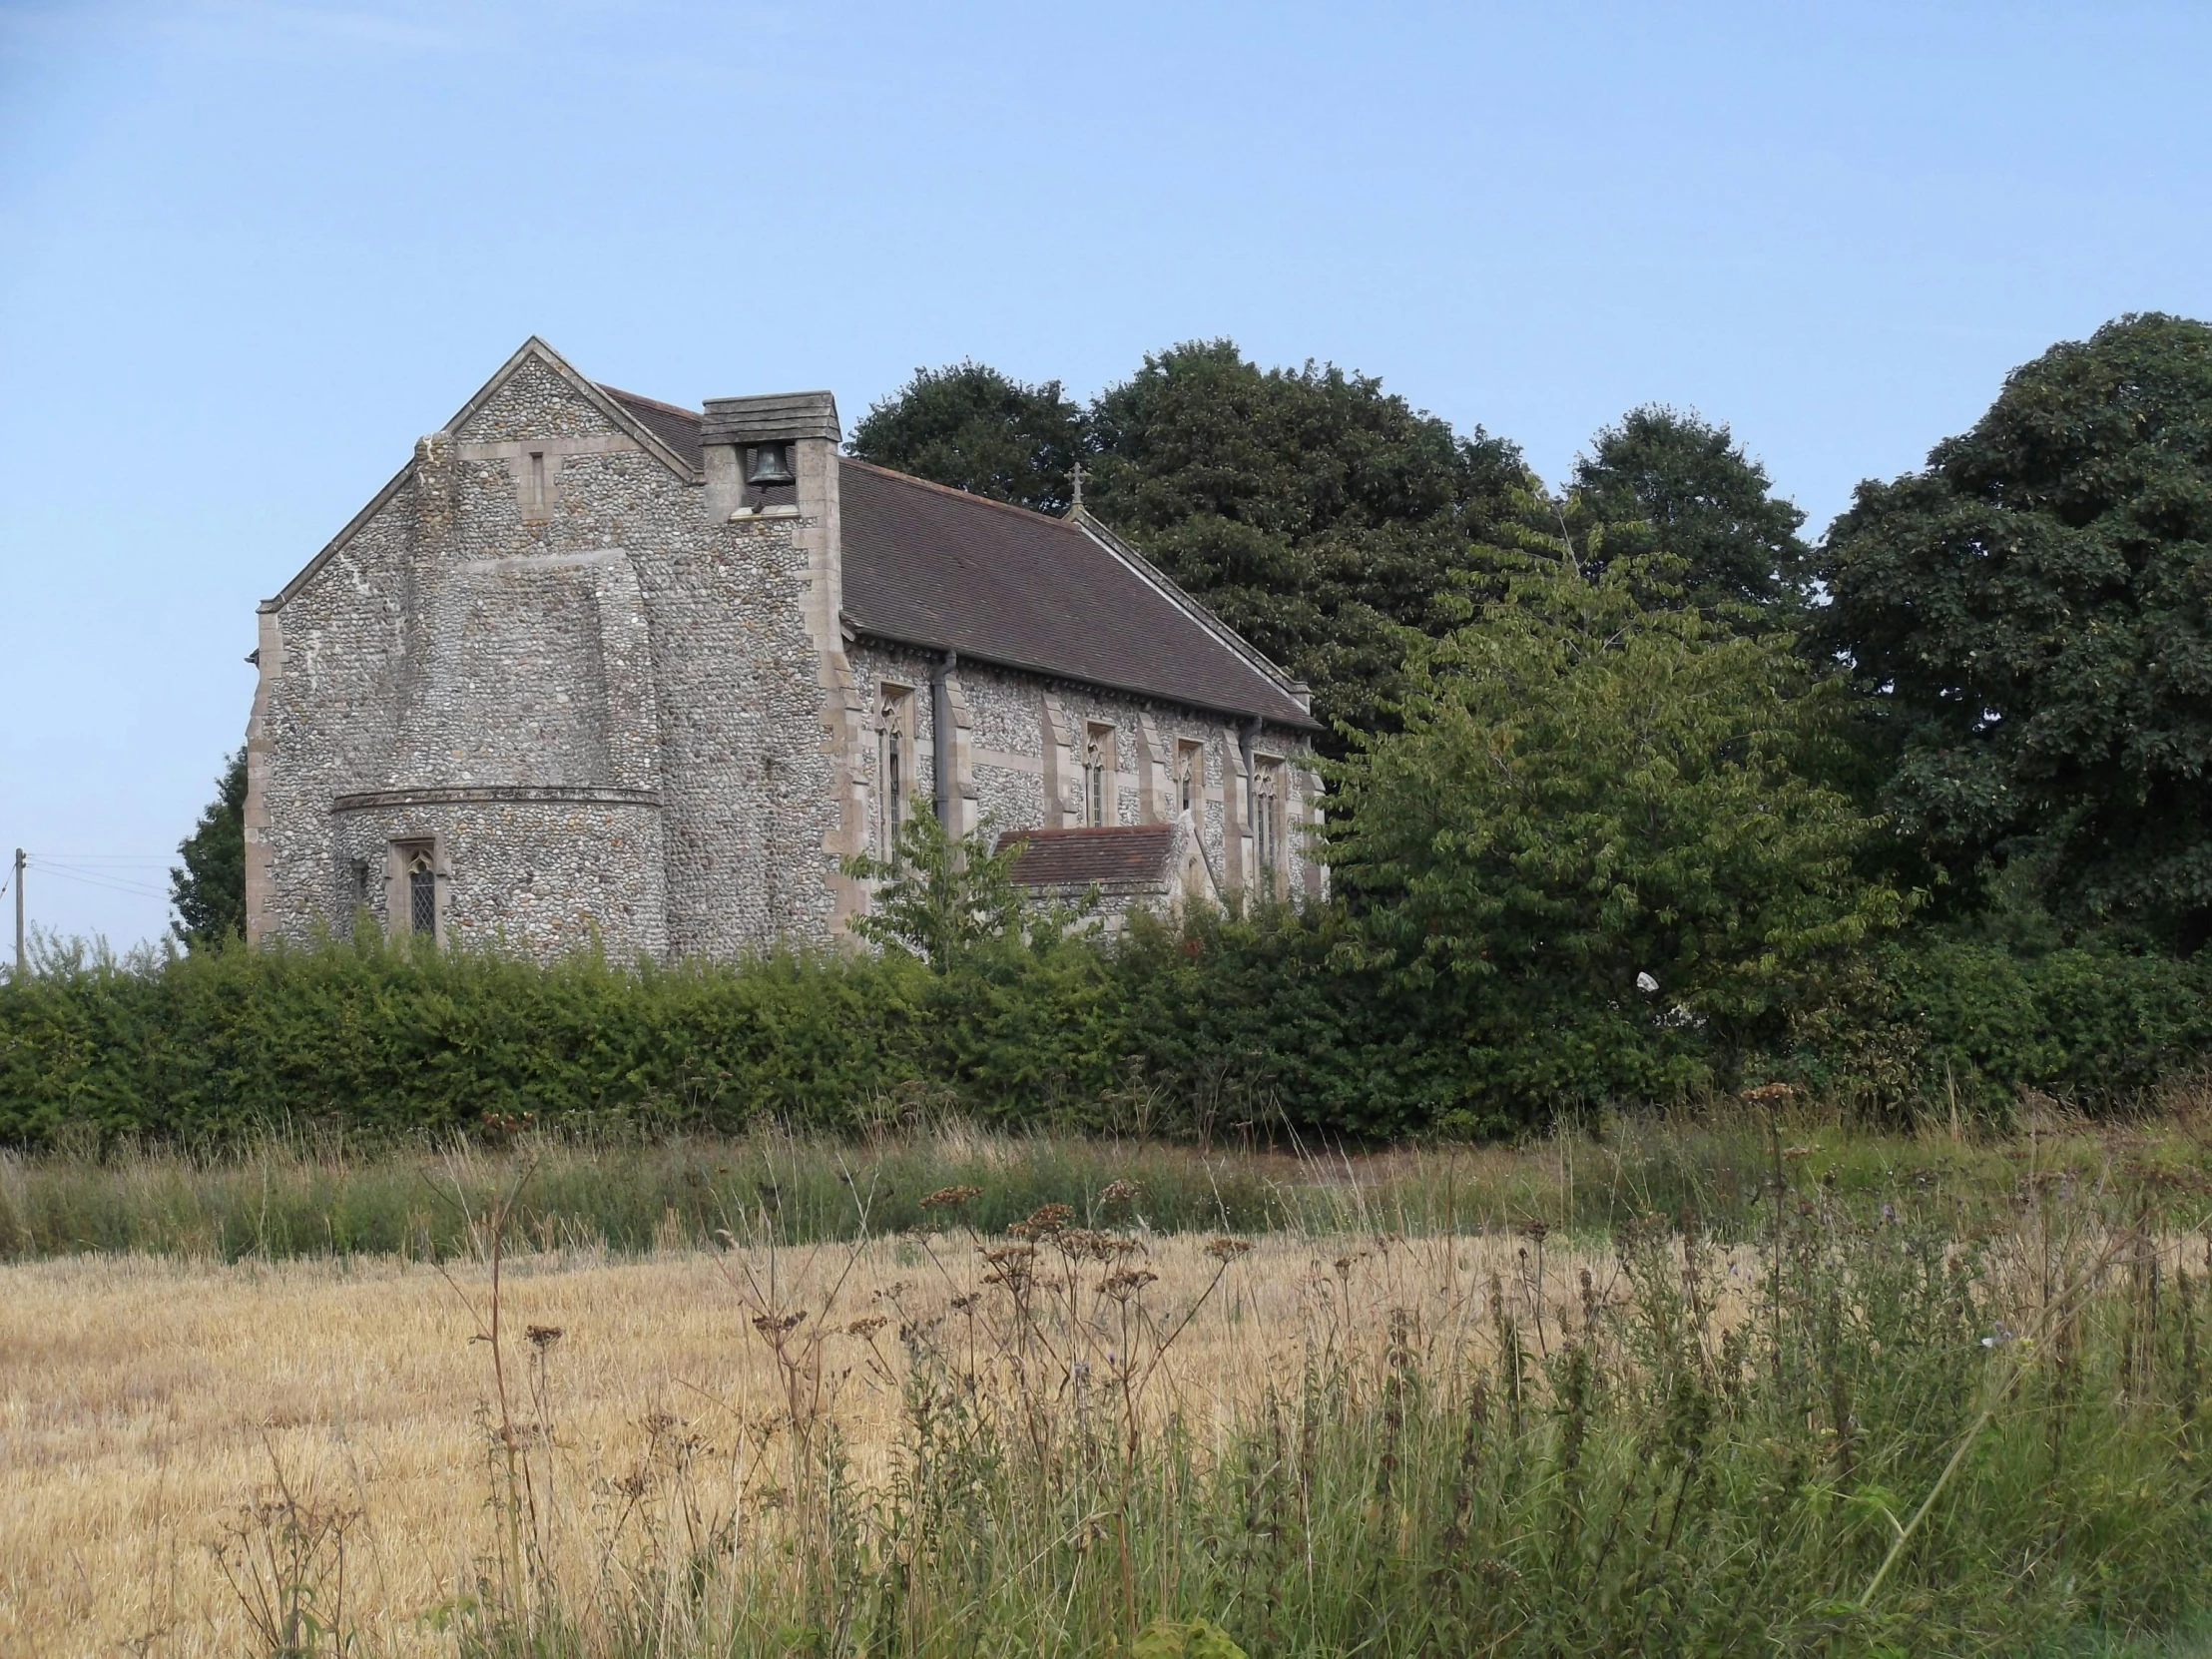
1118, 1192
866, 1327
950, 1198
1227, 1250
542, 1336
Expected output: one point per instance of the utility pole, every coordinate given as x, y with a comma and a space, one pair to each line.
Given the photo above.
19, 862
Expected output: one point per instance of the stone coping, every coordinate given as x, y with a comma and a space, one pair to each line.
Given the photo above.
502, 793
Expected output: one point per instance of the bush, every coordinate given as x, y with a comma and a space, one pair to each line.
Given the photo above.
1221, 1023
233, 1040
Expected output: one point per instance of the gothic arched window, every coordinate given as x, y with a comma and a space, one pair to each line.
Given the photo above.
1098, 767
423, 893
895, 761
1267, 816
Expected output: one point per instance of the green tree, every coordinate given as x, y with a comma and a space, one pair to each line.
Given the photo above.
2026, 622
1707, 503
977, 429
1324, 519
1318, 515
1592, 850
208, 891
940, 898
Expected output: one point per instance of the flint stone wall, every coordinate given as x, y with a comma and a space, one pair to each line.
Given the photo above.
607, 710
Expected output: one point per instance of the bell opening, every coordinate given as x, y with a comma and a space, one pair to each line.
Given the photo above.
771, 463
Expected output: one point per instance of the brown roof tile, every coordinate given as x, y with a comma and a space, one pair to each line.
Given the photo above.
677, 428
942, 568
1128, 855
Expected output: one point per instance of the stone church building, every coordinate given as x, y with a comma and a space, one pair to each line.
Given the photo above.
598, 668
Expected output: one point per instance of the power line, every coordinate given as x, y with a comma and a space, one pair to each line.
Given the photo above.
117, 867
105, 859
135, 888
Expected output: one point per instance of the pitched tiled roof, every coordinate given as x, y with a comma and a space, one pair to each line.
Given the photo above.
942, 568
1121, 855
677, 428
937, 567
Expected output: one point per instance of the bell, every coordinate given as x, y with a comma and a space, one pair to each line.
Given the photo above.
771, 464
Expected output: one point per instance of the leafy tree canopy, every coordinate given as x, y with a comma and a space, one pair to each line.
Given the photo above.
1707, 504
1319, 515
1315, 513
1594, 841
208, 890
977, 429
2027, 619
943, 898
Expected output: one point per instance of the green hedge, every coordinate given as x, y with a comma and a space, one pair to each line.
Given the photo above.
2097, 1028
1221, 1022
223, 1042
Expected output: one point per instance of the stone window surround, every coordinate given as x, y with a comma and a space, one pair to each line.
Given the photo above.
894, 721
400, 852
1189, 781
1269, 815
1101, 774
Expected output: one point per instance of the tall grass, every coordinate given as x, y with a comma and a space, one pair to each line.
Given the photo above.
303, 1196
1903, 1433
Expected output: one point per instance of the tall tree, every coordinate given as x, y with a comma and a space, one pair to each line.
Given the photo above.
1593, 848
2026, 619
208, 890
1321, 517
1708, 504
977, 429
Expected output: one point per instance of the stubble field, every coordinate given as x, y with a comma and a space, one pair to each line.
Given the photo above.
1862, 1411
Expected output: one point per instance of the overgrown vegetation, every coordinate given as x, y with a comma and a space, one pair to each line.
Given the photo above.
415, 1197
1857, 1431
1244, 1027
1223, 1026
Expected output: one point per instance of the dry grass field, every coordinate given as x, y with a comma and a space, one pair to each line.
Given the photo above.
145, 1402
1028, 1436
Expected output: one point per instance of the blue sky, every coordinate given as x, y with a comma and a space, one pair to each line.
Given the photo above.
249, 252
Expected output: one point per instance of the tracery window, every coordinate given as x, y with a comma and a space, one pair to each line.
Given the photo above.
1190, 776
895, 760
1098, 779
1267, 814
423, 893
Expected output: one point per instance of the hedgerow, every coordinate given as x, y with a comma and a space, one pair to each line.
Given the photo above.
1217, 1024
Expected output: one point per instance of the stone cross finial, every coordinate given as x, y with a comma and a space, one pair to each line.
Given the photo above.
1078, 477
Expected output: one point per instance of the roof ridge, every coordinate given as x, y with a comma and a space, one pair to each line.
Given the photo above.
957, 493
649, 402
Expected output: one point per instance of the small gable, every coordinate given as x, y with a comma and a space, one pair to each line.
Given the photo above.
536, 397
532, 402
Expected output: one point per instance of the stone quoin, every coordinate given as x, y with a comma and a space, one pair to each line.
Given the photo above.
598, 670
